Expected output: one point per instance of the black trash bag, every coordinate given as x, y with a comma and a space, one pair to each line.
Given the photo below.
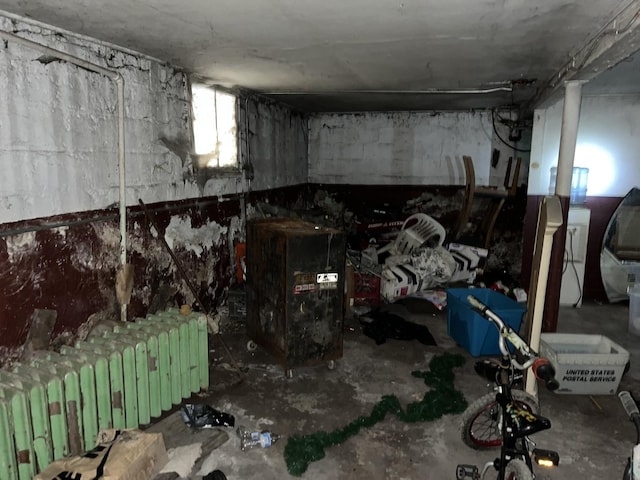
382, 325
215, 475
199, 415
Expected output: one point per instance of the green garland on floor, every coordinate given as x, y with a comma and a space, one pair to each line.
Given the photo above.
441, 399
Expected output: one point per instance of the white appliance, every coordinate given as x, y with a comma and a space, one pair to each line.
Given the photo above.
575, 256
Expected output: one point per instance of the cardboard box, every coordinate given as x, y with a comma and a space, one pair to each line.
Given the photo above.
585, 364
399, 281
366, 289
119, 455
469, 261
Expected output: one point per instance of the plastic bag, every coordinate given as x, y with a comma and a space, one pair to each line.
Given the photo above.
198, 415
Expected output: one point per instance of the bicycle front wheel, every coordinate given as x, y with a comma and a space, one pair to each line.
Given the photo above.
516, 470
481, 421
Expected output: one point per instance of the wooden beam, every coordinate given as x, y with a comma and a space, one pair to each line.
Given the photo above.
549, 219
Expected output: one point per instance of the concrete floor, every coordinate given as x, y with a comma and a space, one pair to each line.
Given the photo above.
591, 433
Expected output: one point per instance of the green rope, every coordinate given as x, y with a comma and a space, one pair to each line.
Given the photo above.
441, 399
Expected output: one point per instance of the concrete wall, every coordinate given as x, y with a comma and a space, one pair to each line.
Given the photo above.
277, 143
416, 148
58, 141
58, 129
59, 236
608, 144
502, 143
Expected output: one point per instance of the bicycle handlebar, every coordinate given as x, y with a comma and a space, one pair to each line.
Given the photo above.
631, 408
544, 371
477, 304
526, 357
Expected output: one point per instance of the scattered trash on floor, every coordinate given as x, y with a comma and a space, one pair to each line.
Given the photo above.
418, 306
423, 269
442, 398
366, 289
360, 311
470, 261
436, 265
381, 325
249, 439
118, 455
215, 475
437, 297
520, 294
182, 459
199, 415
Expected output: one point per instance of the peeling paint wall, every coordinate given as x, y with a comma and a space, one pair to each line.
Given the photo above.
58, 127
410, 148
274, 141
72, 270
59, 235
179, 232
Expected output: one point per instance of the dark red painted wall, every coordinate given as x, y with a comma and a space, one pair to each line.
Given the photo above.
71, 269
601, 210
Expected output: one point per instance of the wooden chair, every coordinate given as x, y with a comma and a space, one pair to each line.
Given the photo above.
496, 199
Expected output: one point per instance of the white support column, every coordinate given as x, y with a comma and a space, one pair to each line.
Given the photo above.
568, 136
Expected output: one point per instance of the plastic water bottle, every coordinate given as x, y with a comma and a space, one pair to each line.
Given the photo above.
249, 439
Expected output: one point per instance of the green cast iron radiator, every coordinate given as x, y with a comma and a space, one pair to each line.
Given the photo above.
55, 404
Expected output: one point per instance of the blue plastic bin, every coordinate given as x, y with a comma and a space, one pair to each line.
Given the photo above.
471, 330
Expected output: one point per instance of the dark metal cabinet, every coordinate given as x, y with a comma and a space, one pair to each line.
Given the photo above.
295, 290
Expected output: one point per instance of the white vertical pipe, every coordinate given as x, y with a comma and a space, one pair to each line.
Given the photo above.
568, 136
116, 77
122, 184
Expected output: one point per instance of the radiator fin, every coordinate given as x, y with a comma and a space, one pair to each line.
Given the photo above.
55, 404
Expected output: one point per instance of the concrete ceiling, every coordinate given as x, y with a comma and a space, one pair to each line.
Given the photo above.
341, 55
623, 79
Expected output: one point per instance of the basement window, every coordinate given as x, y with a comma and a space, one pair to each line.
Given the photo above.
214, 127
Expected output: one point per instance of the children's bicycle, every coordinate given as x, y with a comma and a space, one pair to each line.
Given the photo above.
507, 417
632, 470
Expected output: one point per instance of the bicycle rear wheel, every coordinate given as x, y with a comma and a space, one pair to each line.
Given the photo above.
481, 421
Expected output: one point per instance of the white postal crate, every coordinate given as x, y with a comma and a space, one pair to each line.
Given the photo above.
585, 364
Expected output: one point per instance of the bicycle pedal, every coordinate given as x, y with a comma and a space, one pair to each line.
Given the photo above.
467, 471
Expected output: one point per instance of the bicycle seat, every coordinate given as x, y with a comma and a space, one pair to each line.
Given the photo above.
528, 423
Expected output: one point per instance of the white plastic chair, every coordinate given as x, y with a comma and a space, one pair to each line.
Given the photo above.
417, 230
